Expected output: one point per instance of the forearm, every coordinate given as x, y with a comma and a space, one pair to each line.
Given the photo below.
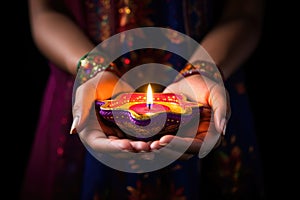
230, 42
58, 37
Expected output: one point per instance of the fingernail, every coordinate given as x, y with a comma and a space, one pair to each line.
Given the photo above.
163, 144
224, 129
223, 125
74, 124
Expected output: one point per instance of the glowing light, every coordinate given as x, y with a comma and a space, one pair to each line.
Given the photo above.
149, 99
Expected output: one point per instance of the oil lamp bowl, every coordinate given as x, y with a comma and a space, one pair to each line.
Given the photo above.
131, 113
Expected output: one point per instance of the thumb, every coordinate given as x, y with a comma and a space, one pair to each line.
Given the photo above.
219, 100
83, 100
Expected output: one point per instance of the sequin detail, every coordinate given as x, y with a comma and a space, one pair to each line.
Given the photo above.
205, 68
93, 63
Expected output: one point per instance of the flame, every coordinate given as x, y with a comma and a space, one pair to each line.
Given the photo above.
149, 99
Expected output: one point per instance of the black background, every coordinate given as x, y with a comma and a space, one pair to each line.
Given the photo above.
26, 74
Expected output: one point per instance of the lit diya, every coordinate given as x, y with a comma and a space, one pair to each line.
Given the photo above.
147, 116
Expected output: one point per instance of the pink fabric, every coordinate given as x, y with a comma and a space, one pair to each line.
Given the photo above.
50, 162
49, 146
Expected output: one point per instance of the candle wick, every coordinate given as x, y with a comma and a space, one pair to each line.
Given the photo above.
149, 105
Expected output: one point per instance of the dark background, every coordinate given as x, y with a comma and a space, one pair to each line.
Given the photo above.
26, 66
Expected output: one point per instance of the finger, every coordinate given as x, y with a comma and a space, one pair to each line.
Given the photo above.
82, 103
156, 145
140, 146
219, 101
211, 139
93, 136
102, 144
180, 144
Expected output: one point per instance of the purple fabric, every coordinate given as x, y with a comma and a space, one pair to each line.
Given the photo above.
54, 169
52, 165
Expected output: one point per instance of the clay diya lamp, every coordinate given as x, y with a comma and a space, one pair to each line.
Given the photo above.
147, 116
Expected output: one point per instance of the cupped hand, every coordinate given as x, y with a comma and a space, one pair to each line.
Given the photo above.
211, 125
97, 137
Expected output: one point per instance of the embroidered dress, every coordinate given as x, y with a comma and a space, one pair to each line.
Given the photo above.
61, 168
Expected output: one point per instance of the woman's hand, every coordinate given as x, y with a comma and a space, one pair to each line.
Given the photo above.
212, 122
97, 137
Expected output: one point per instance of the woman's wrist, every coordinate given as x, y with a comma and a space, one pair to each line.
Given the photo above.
204, 68
91, 64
